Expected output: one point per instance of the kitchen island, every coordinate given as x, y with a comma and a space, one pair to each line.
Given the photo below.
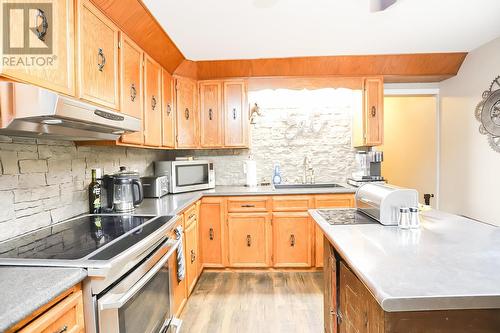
443, 277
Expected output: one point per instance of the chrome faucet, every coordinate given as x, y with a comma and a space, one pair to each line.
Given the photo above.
308, 177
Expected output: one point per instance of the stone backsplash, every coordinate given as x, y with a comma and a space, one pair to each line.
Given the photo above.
44, 182
293, 125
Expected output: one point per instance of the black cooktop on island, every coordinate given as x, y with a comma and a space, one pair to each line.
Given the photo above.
345, 216
82, 236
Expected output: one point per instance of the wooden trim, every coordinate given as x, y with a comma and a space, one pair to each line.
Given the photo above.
421, 67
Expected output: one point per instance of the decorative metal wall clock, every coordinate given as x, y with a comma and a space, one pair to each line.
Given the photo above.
488, 114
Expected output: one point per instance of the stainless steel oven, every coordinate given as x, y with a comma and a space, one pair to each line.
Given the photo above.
142, 301
184, 176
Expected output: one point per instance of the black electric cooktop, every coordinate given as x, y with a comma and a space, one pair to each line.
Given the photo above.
345, 216
78, 238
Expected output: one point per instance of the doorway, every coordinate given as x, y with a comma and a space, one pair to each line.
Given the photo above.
411, 143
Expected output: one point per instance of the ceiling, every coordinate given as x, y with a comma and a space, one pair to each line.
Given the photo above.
250, 29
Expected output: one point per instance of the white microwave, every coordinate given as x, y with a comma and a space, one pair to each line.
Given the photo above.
185, 176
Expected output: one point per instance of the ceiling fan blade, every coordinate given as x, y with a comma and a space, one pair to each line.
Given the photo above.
380, 5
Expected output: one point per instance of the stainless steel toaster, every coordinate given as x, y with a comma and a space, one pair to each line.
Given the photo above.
155, 187
382, 201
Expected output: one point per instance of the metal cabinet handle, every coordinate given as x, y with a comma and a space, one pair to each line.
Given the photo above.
292, 240
41, 29
193, 256
169, 109
249, 240
191, 216
62, 329
373, 111
234, 113
153, 102
211, 233
133, 92
247, 206
186, 113
210, 114
102, 60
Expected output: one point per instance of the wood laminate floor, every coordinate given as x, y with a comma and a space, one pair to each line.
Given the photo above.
256, 302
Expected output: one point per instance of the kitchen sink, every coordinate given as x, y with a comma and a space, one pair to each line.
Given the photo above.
306, 186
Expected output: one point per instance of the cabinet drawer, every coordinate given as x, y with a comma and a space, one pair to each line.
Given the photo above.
66, 316
190, 215
334, 200
248, 204
292, 203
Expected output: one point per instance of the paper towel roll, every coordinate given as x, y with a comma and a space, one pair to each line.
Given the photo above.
250, 169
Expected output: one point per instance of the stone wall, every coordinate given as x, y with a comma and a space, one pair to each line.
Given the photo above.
44, 182
293, 125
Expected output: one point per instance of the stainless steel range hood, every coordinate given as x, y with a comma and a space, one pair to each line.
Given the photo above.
27, 110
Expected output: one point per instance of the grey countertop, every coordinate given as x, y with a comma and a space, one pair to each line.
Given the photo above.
25, 289
451, 262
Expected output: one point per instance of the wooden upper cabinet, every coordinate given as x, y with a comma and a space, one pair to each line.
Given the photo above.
249, 236
374, 112
292, 243
152, 103
211, 125
131, 86
98, 79
168, 118
59, 35
186, 113
235, 114
368, 123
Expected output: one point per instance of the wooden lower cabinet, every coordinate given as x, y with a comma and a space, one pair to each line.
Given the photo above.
292, 239
212, 212
179, 289
249, 237
191, 235
64, 316
359, 310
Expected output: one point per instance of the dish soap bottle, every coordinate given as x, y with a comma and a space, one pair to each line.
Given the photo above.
277, 174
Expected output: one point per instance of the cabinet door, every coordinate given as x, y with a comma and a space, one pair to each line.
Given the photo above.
235, 114
374, 111
131, 86
152, 103
186, 113
58, 74
179, 290
97, 56
168, 120
211, 217
210, 114
191, 234
249, 236
360, 311
292, 240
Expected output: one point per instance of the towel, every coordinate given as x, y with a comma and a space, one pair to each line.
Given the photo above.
181, 269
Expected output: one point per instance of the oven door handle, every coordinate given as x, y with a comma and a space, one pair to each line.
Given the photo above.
120, 300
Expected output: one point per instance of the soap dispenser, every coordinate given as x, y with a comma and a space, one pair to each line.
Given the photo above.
277, 174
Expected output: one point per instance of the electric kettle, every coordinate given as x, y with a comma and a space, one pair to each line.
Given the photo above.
124, 190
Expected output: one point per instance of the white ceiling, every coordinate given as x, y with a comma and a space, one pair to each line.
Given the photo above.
246, 29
